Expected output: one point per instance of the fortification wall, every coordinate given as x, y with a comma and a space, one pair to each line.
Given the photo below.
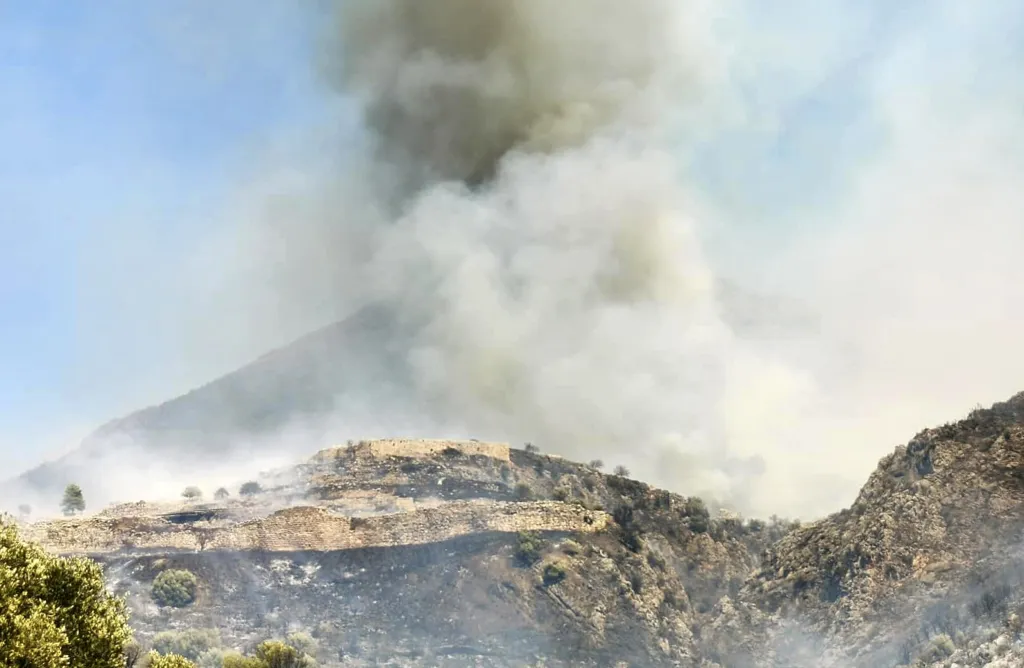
418, 448
317, 529
382, 448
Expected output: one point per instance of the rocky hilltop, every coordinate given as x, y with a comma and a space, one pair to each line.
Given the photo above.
433, 553
443, 553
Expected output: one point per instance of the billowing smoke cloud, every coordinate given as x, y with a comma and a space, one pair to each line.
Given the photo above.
538, 245
530, 210
621, 231
452, 87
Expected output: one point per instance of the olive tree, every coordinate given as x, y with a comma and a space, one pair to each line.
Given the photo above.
56, 612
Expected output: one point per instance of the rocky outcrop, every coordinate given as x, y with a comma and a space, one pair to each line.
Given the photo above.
931, 542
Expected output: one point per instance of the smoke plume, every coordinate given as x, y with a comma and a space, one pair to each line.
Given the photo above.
528, 210
538, 239
628, 232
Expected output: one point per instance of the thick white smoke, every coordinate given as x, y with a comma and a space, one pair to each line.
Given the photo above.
525, 211
565, 211
543, 246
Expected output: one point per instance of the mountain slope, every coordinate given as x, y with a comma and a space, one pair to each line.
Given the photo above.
435, 553
346, 379
355, 363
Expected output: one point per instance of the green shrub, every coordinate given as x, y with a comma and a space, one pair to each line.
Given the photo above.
56, 612
276, 654
621, 471
73, 501
941, 647
192, 493
571, 547
553, 574
156, 660
190, 644
528, 548
531, 448
175, 588
236, 660
303, 642
596, 464
697, 515
221, 494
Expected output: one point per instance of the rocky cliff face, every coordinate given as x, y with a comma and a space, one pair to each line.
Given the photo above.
926, 564
437, 553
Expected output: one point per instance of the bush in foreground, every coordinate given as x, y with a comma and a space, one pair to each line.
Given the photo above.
56, 612
156, 660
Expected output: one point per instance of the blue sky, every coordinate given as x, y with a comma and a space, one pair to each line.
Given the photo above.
122, 124
116, 131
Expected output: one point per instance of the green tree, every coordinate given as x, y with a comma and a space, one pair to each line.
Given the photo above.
156, 660
192, 493
73, 501
56, 612
221, 494
175, 588
250, 488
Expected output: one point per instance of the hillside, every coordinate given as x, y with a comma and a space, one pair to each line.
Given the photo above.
351, 376
301, 383
434, 553
443, 553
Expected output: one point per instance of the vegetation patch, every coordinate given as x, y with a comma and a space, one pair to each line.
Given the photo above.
56, 611
553, 573
529, 546
175, 588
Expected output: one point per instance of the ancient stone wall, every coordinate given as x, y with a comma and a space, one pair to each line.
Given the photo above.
317, 529
397, 447
380, 449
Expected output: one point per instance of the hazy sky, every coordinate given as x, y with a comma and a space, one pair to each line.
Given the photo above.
123, 126
118, 123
